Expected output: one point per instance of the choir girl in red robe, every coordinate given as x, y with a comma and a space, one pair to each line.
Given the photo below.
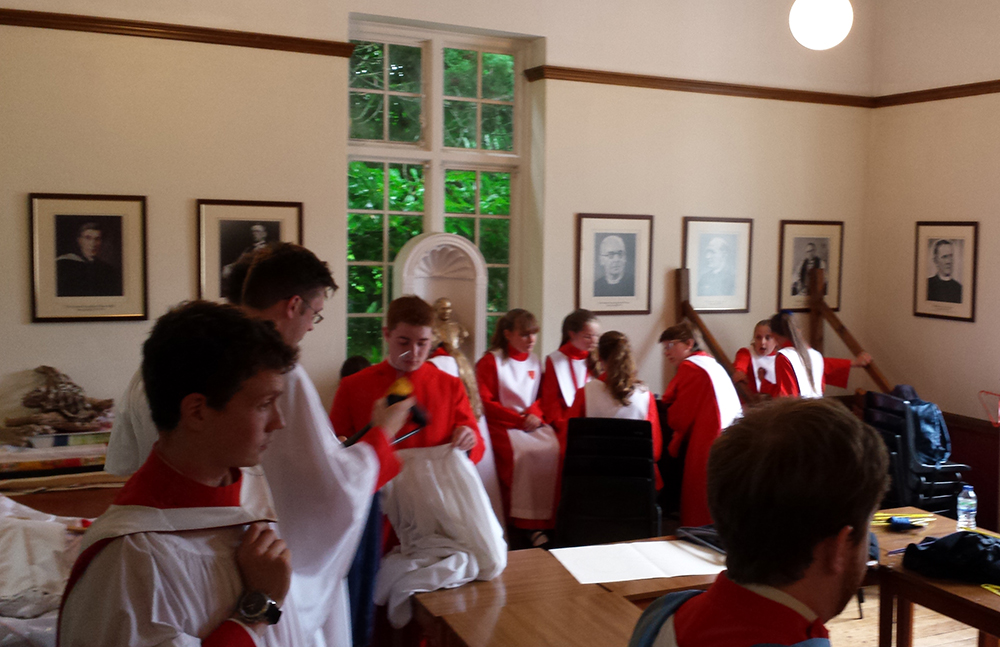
526, 449
702, 403
802, 371
570, 367
754, 366
617, 393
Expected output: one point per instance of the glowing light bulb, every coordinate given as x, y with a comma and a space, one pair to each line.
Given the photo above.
821, 24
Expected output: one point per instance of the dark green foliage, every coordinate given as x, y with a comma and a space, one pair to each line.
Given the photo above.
406, 187
364, 337
366, 115
365, 185
367, 63
364, 289
402, 229
464, 227
498, 127
460, 68
494, 194
404, 119
459, 191
498, 76
364, 237
494, 239
460, 124
404, 68
496, 289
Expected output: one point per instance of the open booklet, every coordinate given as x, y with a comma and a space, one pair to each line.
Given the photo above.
640, 560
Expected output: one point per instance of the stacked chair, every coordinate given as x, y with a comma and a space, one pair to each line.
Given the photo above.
922, 476
608, 483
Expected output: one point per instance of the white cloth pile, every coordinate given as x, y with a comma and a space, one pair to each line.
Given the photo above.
447, 530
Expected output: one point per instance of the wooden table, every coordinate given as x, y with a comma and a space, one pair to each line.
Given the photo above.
535, 601
967, 603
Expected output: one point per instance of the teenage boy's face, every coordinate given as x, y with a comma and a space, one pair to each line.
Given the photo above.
408, 346
241, 430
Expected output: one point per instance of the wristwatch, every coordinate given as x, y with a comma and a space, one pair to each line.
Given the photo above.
256, 607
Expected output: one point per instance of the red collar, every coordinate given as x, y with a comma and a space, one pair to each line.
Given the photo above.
516, 356
572, 352
440, 352
157, 485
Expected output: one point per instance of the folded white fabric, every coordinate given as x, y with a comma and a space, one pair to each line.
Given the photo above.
448, 532
36, 555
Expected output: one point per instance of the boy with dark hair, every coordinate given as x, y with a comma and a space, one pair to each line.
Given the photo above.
186, 552
792, 488
322, 490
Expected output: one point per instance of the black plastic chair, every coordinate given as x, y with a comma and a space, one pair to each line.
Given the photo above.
608, 483
930, 486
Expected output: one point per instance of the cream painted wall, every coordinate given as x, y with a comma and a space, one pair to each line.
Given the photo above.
934, 161
921, 44
89, 113
670, 155
716, 40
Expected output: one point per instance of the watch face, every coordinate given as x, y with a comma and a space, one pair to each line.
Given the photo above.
253, 604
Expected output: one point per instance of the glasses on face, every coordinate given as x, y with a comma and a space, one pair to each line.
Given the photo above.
317, 317
614, 255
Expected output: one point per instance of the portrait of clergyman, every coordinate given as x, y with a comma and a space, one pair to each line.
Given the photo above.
944, 268
809, 253
236, 237
717, 276
88, 256
614, 264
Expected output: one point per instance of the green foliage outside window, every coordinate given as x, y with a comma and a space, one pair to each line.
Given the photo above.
377, 112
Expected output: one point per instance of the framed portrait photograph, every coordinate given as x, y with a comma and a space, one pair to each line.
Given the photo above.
613, 263
88, 257
717, 253
808, 244
227, 229
944, 276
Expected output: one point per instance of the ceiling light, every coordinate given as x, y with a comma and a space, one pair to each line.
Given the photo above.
821, 24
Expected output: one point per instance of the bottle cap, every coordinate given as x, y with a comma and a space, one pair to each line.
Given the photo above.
966, 488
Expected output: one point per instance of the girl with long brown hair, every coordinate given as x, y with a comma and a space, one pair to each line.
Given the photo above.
800, 370
618, 393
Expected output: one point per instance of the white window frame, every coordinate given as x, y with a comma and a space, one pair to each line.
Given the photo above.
430, 151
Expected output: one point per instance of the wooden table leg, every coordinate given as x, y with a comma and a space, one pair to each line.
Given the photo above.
986, 640
886, 602
904, 622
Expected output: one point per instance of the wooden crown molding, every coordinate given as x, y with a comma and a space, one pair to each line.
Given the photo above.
554, 72
72, 22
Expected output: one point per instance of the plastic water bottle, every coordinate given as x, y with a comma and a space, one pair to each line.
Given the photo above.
966, 509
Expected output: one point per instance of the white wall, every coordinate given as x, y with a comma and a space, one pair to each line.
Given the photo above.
715, 40
921, 44
670, 155
934, 161
91, 113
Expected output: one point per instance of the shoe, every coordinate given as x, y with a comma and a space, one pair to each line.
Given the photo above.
539, 539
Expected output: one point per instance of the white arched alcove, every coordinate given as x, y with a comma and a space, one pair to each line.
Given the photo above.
432, 266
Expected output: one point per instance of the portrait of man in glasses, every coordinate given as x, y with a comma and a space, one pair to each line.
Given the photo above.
614, 268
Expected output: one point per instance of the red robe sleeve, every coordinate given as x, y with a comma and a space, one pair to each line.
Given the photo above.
836, 372
684, 397
345, 417
229, 634
742, 362
489, 393
787, 384
554, 409
653, 416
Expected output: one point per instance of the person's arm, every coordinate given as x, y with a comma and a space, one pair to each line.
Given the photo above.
687, 394
653, 416
554, 410
465, 423
743, 368
786, 383
489, 393
347, 403
836, 371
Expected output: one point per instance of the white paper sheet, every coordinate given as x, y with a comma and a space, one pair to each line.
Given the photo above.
638, 561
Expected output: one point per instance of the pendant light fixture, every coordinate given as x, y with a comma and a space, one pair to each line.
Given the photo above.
821, 24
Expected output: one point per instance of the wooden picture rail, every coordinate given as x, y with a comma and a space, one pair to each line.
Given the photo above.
820, 311
685, 311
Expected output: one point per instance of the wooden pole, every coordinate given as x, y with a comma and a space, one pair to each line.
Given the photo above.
816, 293
852, 344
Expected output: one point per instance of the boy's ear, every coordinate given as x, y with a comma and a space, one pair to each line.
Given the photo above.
193, 410
292, 306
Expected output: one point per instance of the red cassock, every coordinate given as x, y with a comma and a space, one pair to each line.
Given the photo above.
744, 362
565, 372
695, 415
607, 407
442, 395
831, 371
496, 389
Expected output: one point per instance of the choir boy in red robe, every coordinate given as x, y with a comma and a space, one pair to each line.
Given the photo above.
408, 336
526, 449
801, 371
570, 367
617, 393
702, 403
754, 366
792, 488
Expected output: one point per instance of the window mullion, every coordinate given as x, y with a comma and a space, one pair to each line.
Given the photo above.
434, 171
